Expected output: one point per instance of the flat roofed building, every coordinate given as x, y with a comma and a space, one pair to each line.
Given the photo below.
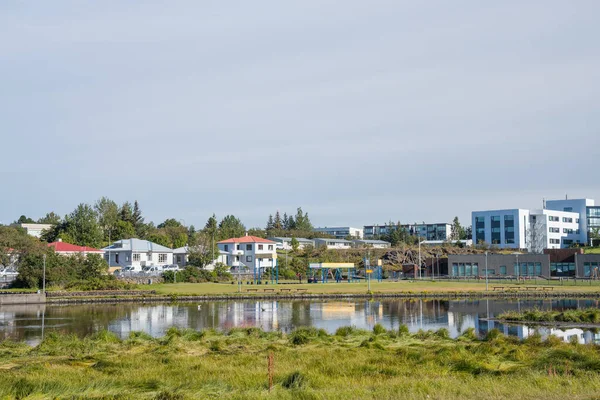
376, 244
437, 231
341, 232
333, 243
35, 230
285, 243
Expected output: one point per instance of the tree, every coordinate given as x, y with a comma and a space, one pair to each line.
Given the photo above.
595, 236
125, 213
138, 220
285, 221
202, 251
457, 231
269, 223
277, 222
170, 223
108, 216
298, 266
83, 227
24, 220
123, 230
231, 227
302, 222
295, 244
50, 218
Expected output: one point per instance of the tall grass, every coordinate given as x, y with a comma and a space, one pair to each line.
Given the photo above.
309, 363
583, 315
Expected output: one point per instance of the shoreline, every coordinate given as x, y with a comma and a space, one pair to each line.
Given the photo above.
154, 298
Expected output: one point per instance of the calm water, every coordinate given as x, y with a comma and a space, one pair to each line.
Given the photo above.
32, 322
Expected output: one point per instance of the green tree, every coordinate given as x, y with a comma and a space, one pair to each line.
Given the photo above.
50, 218
302, 222
285, 221
82, 226
126, 213
595, 236
270, 223
295, 244
108, 216
160, 238
138, 220
170, 223
24, 220
277, 221
123, 230
457, 231
231, 227
203, 250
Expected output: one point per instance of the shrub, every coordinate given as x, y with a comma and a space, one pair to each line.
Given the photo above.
442, 333
403, 330
378, 329
295, 380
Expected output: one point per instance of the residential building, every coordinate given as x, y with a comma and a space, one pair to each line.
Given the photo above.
138, 253
181, 258
333, 243
68, 249
285, 243
376, 244
438, 231
341, 232
462, 243
588, 214
249, 252
35, 230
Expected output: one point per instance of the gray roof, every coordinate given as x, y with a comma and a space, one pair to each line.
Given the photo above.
367, 241
334, 240
138, 245
289, 239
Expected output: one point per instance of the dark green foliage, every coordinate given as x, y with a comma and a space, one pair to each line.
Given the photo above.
378, 329
295, 380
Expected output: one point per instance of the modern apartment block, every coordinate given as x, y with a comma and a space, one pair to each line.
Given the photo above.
589, 214
440, 231
559, 225
341, 232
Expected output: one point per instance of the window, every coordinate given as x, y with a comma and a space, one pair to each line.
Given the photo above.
554, 241
260, 246
178, 259
554, 230
117, 258
490, 272
137, 256
568, 209
562, 269
162, 258
567, 241
568, 220
226, 247
503, 270
248, 258
568, 231
576, 220
538, 269
270, 247
126, 258
237, 246
554, 219
248, 247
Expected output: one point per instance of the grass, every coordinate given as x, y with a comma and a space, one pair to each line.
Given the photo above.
586, 315
361, 287
308, 364
592, 250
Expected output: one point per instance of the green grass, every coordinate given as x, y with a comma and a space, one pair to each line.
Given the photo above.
308, 364
586, 315
361, 287
592, 250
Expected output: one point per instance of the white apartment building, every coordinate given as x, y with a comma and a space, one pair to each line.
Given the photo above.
589, 214
35, 230
534, 230
333, 243
248, 252
376, 244
138, 253
341, 232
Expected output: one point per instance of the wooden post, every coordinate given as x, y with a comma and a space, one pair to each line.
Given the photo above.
270, 370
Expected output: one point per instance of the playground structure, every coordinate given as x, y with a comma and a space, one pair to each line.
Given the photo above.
333, 270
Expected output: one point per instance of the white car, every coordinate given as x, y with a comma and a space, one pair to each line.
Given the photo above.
172, 267
153, 270
128, 270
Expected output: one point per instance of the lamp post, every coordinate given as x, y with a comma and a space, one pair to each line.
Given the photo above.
517, 268
44, 276
486, 271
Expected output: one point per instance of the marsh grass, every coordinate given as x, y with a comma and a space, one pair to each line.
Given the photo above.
309, 363
583, 315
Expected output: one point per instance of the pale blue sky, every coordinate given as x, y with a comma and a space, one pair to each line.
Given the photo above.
358, 111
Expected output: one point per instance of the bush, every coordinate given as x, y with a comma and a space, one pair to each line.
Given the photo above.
295, 380
378, 329
403, 330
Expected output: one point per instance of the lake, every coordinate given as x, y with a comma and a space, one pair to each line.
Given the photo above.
31, 322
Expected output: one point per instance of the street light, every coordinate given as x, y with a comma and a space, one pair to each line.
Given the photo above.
486, 271
44, 276
419, 239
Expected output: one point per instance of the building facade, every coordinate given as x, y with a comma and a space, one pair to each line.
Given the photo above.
333, 243
181, 258
248, 252
376, 244
588, 214
285, 243
137, 253
534, 230
341, 232
439, 231
35, 230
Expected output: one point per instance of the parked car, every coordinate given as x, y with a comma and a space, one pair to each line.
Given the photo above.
172, 267
153, 270
129, 270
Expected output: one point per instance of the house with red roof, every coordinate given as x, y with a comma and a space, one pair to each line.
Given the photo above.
251, 253
68, 249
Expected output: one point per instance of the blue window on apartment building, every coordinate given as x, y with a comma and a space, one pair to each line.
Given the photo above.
480, 229
465, 269
509, 229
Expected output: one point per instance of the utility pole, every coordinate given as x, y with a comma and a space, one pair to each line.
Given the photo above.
44, 276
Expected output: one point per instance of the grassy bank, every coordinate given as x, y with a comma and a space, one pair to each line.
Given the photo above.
588, 316
361, 287
308, 364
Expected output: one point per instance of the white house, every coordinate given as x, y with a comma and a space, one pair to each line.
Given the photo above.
181, 258
138, 253
249, 252
35, 230
285, 243
376, 244
333, 243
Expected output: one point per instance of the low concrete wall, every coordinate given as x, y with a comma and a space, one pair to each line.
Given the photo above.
22, 298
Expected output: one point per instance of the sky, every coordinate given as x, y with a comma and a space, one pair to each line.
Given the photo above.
358, 112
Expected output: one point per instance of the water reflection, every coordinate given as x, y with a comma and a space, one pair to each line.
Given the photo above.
31, 322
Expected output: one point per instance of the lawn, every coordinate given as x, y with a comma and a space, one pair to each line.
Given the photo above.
592, 250
308, 364
361, 287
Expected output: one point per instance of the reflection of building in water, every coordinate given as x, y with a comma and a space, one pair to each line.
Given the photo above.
260, 314
154, 320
